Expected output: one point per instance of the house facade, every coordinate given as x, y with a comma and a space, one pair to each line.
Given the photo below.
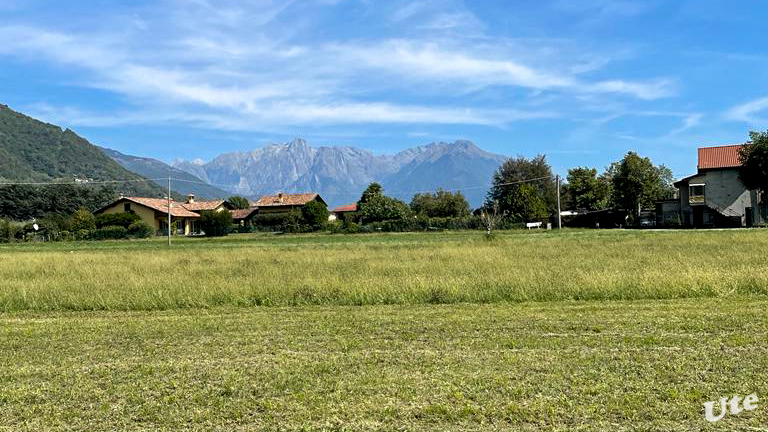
339, 212
154, 212
185, 216
714, 196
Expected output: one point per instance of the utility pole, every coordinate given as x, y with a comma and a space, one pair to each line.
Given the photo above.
559, 221
169, 210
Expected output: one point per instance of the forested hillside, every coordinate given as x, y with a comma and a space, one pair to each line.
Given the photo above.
33, 151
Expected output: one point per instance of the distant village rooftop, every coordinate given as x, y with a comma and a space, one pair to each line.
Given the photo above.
345, 208
283, 199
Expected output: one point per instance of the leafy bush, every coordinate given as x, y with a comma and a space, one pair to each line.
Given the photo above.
83, 219
426, 224
116, 219
381, 208
315, 215
10, 231
140, 229
274, 221
55, 222
109, 233
82, 235
351, 228
440, 204
293, 224
216, 223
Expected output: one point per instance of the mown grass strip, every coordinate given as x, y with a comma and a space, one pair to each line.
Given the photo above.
645, 365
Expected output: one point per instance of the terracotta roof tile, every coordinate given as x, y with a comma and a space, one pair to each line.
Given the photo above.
203, 205
161, 205
719, 157
345, 208
242, 213
286, 199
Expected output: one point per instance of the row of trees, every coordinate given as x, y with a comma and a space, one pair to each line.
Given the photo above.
525, 189
374, 206
630, 184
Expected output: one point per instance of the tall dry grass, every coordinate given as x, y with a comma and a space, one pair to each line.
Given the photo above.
384, 269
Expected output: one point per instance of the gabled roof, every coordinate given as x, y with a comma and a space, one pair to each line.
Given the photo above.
157, 204
203, 205
287, 200
242, 213
345, 208
726, 156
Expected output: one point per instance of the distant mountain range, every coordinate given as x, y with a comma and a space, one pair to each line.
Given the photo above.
33, 151
340, 174
184, 183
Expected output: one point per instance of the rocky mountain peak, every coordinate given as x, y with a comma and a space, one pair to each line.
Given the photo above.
340, 173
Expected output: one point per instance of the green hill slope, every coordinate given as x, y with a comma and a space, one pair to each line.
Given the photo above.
33, 151
153, 168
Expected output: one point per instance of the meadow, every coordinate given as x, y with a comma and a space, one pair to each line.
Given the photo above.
408, 268
556, 331
573, 366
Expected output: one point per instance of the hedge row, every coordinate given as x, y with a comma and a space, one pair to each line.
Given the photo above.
292, 223
15, 232
433, 224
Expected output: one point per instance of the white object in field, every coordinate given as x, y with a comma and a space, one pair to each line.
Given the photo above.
35, 226
530, 225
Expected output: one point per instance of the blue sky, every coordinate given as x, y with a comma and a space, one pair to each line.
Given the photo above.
582, 81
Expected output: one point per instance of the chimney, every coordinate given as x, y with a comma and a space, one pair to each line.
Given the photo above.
191, 199
280, 197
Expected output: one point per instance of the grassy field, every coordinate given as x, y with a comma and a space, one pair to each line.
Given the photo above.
599, 366
413, 268
556, 331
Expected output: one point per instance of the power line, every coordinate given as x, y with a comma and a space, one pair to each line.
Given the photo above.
78, 183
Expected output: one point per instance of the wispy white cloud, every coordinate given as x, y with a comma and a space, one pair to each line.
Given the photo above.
754, 112
279, 114
429, 61
235, 65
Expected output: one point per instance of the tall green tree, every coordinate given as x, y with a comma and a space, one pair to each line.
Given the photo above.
534, 200
440, 204
373, 189
374, 206
524, 203
638, 183
216, 223
585, 190
754, 162
239, 202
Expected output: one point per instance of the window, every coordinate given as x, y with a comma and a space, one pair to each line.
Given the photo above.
696, 194
127, 207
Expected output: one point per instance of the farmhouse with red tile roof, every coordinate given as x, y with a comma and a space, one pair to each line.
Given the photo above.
714, 196
154, 211
186, 215
283, 202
